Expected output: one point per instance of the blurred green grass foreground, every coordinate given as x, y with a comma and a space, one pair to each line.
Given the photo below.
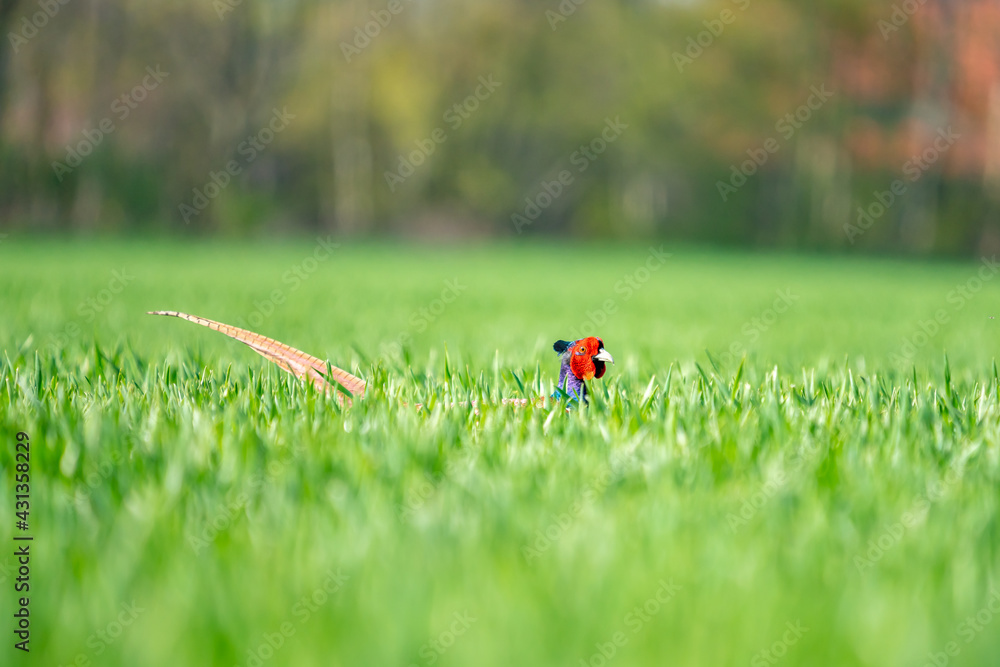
784, 467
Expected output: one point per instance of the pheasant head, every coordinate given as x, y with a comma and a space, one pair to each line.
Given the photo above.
582, 360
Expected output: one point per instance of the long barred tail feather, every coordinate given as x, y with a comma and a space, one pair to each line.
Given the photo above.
307, 367
300, 364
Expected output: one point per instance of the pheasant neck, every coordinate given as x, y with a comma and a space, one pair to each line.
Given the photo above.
571, 384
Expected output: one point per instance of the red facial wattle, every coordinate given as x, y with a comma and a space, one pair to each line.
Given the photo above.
587, 358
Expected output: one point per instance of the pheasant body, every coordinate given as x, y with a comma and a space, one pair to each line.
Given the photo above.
580, 361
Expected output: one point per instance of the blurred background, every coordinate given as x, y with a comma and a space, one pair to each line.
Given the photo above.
840, 124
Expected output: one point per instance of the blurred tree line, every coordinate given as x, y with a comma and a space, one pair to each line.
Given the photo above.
833, 124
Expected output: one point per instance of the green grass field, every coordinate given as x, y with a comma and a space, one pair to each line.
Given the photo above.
831, 500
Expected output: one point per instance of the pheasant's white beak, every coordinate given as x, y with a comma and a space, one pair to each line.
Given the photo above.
602, 355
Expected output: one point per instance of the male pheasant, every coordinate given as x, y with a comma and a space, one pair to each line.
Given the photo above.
581, 361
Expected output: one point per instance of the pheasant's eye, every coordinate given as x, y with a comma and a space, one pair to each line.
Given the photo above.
581, 351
